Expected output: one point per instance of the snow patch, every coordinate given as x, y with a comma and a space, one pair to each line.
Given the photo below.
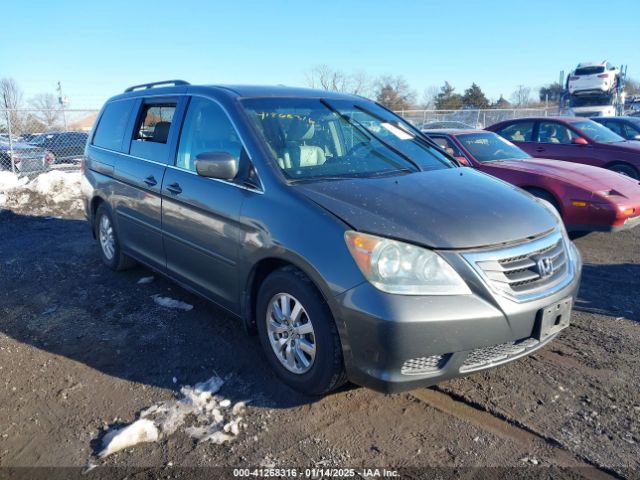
145, 280
54, 192
139, 431
9, 181
200, 405
168, 302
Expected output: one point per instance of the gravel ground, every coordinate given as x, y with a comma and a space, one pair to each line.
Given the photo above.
84, 350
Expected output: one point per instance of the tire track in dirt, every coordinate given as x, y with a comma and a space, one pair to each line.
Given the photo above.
510, 429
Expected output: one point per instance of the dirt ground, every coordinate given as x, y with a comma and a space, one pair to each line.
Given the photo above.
83, 349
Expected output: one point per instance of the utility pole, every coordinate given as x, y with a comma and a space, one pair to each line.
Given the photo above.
62, 100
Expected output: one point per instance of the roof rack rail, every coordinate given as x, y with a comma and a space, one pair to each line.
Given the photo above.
144, 86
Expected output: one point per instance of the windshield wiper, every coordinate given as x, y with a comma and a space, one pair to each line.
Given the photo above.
364, 130
417, 134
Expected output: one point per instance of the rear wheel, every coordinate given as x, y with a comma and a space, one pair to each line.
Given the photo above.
298, 333
108, 241
624, 169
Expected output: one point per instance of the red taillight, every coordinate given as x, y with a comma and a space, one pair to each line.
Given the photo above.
603, 75
49, 157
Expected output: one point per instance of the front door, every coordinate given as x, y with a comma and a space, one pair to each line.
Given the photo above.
200, 216
555, 141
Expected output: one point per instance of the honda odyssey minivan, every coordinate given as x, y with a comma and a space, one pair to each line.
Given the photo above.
352, 244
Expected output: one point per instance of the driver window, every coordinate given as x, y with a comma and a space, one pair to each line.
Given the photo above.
552, 132
518, 132
206, 128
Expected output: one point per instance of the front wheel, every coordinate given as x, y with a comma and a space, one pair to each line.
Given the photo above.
298, 333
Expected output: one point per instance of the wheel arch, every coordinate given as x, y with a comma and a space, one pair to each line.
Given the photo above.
94, 204
558, 203
613, 163
263, 268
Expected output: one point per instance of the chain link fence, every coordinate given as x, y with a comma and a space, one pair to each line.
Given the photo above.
471, 117
35, 141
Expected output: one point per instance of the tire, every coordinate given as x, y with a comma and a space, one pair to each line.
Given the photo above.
108, 241
624, 169
325, 371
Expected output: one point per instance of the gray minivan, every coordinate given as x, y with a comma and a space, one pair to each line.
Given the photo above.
353, 246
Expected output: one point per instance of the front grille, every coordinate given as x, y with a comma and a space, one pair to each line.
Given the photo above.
486, 356
417, 366
525, 271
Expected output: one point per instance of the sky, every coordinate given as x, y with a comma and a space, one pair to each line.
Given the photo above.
98, 48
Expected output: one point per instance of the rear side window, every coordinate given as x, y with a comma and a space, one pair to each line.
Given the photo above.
518, 132
155, 121
112, 125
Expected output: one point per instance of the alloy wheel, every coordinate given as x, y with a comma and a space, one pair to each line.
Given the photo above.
291, 333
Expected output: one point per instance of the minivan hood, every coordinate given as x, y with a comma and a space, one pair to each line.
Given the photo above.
452, 208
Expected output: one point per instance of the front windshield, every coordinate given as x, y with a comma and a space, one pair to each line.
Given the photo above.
489, 147
597, 132
312, 139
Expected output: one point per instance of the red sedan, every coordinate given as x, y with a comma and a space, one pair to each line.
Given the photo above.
588, 198
574, 139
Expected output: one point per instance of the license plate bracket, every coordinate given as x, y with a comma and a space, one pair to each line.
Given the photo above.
553, 318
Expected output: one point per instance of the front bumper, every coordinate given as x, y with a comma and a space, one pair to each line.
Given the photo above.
453, 335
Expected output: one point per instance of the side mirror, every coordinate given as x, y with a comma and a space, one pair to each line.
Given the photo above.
579, 141
220, 165
463, 161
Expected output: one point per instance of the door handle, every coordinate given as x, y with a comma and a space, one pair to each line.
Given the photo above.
540, 149
174, 188
150, 181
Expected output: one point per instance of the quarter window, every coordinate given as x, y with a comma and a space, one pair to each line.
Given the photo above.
518, 132
206, 128
552, 132
112, 125
631, 131
155, 121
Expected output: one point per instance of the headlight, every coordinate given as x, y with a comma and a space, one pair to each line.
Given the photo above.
397, 267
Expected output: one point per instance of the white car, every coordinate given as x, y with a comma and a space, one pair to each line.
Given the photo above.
593, 78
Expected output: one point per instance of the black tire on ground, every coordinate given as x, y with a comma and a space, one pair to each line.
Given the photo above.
327, 370
118, 260
624, 169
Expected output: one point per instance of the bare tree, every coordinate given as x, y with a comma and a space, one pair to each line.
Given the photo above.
360, 83
10, 102
521, 97
394, 93
429, 97
47, 107
326, 78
